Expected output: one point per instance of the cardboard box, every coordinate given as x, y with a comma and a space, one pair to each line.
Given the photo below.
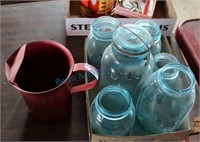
180, 134
164, 15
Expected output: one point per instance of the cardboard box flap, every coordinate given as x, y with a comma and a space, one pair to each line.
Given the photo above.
169, 9
67, 12
196, 125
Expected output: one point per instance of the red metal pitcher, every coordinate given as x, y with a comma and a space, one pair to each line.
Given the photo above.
33, 68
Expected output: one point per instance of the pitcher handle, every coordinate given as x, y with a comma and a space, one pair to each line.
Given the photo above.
87, 86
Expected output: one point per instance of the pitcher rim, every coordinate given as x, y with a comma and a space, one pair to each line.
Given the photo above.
68, 55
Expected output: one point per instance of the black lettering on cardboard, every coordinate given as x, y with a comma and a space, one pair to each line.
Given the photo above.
87, 26
80, 26
164, 27
73, 27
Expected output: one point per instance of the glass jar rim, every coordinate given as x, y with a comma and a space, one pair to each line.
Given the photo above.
107, 113
145, 43
103, 20
187, 72
149, 23
164, 56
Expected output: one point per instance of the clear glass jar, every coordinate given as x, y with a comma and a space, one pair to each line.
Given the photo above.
163, 103
99, 38
127, 61
112, 112
162, 59
155, 32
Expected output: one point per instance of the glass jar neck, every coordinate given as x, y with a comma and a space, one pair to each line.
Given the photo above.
155, 32
162, 59
152, 28
128, 55
113, 102
103, 27
132, 41
176, 79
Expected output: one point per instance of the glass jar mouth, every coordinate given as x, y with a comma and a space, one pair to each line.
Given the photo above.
151, 27
176, 79
156, 35
161, 59
132, 40
104, 26
114, 101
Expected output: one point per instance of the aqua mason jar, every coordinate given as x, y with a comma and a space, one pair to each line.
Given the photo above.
155, 32
112, 112
163, 103
162, 59
128, 60
99, 38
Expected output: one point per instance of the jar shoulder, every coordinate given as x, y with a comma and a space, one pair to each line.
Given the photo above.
111, 59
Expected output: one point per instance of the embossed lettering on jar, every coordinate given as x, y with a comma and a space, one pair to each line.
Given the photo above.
127, 61
99, 38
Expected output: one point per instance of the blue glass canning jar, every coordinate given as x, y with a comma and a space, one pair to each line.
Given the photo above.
155, 32
128, 60
163, 103
112, 112
99, 38
162, 59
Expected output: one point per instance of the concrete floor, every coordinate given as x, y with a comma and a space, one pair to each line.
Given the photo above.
186, 9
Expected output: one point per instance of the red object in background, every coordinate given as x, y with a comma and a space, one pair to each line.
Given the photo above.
96, 8
85, 3
146, 7
94, 5
188, 38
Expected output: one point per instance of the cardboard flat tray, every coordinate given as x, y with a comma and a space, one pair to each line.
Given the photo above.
180, 134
